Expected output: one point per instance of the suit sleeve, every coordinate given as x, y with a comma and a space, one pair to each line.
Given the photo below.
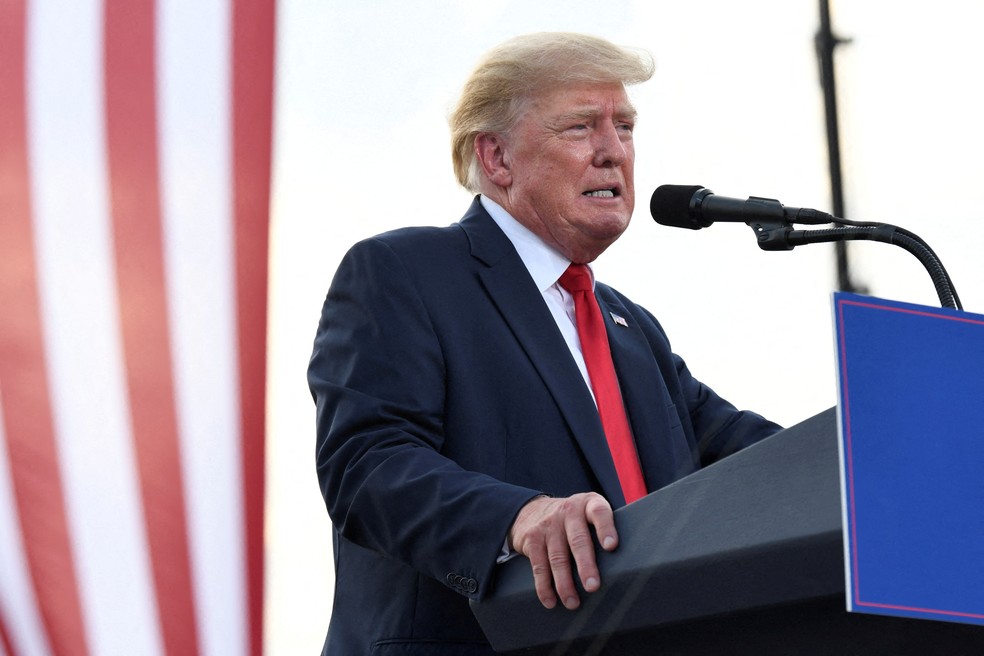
719, 428
377, 375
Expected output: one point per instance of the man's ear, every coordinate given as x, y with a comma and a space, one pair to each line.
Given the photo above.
490, 150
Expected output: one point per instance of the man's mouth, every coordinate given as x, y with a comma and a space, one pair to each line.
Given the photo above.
601, 193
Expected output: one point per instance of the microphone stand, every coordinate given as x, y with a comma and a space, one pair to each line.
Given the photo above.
777, 234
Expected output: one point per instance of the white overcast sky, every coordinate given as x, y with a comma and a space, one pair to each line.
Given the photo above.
361, 146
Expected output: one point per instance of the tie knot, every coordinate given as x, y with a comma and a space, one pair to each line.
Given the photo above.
577, 278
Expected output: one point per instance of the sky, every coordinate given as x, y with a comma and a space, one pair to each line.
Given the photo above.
361, 146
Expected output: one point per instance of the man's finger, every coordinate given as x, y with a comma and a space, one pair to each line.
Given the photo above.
559, 554
542, 576
600, 515
582, 548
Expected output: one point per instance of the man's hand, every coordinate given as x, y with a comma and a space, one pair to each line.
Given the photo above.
548, 531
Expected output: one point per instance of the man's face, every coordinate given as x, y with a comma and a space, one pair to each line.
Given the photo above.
570, 159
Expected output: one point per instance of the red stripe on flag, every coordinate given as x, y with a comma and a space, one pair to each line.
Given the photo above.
5, 643
252, 88
131, 128
32, 450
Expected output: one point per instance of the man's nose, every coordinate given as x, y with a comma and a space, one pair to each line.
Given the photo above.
610, 150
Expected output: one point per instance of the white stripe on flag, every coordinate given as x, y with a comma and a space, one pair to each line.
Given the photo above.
80, 316
194, 104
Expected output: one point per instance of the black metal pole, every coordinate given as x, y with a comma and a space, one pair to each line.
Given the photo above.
825, 43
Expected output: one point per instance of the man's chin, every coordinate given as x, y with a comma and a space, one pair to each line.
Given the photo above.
609, 226
594, 242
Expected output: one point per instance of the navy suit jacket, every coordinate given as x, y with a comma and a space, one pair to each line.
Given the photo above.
446, 399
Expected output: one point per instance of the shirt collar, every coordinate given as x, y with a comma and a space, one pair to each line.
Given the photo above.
543, 261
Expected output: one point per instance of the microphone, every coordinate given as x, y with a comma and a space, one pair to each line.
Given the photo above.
695, 207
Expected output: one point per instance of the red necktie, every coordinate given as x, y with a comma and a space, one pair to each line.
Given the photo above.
601, 371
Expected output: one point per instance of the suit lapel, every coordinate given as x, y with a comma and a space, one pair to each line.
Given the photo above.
643, 391
510, 287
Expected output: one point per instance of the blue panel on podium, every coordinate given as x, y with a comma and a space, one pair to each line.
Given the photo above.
911, 420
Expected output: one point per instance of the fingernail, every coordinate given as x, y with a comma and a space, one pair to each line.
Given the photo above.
609, 542
591, 583
570, 602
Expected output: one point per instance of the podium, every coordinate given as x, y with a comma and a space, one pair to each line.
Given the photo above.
742, 557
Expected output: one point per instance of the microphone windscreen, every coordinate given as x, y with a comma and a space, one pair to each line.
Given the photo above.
670, 205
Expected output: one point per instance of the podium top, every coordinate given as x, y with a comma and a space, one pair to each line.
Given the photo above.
759, 528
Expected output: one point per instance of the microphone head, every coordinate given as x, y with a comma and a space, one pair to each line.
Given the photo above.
675, 205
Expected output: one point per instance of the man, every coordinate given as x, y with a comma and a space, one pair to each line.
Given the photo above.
460, 413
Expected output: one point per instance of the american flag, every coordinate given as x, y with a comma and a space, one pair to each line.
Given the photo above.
135, 154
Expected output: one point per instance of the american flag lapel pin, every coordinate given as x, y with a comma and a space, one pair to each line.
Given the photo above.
619, 321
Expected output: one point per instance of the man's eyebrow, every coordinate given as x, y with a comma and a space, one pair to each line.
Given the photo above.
578, 114
627, 114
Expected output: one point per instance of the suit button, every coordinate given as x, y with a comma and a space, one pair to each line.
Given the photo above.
463, 583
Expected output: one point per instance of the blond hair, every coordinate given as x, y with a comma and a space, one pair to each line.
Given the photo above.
511, 74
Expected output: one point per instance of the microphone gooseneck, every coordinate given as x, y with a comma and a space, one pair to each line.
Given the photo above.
695, 207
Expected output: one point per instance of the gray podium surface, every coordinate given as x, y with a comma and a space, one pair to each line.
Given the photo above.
744, 554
